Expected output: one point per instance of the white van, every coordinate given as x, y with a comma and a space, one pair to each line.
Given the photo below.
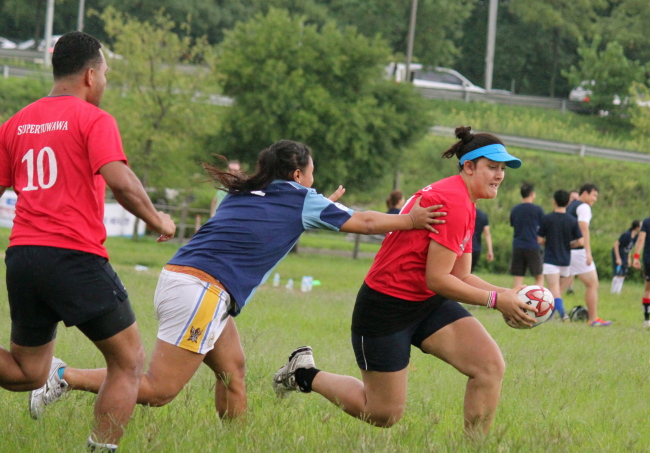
438, 78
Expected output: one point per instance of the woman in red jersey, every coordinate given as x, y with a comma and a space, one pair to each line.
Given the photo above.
410, 297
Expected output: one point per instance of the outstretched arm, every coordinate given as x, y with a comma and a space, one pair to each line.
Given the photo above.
372, 222
128, 191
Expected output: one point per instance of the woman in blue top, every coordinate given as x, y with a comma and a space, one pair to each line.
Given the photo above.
212, 278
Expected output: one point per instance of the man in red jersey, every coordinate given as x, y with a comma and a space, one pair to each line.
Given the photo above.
58, 154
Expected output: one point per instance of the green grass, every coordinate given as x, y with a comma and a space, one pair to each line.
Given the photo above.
567, 387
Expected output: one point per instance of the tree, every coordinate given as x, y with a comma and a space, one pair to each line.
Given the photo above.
160, 103
628, 25
561, 19
608, 74
25, 19
520, 64
438, 27
318, 85
640, 111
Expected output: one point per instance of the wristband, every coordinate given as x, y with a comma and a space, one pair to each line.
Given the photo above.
637, 256
492, 300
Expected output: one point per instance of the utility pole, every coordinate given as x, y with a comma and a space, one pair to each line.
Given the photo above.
49, 18
80, 16
409, 52
491, 37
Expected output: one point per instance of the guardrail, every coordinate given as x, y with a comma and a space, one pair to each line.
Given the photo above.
502, 98
558, 147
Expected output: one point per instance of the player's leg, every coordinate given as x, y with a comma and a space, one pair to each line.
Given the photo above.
590, 280
124, 355
553, 282
517, 267
467, 346
25, 368
536, 266
228, 362
646, 295
379, 400
169, 370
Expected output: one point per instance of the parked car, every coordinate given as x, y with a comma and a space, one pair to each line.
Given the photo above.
26, 45
583, 93
444, 78
30, 44
7, 43
440, 78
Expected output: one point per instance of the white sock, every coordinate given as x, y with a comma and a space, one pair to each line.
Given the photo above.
619, 284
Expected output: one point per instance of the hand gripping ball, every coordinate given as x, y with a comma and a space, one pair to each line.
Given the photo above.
538, 297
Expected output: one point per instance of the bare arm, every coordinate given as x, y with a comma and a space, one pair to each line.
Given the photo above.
577, 243
452, 279
128, 191
372, 222
2, 190
617, 255
640, 241
488, 242
541, 240
584, 228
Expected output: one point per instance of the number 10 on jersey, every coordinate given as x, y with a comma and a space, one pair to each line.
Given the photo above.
40, 170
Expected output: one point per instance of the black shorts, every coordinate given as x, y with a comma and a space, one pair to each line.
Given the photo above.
391, 352
523, 259
50, 284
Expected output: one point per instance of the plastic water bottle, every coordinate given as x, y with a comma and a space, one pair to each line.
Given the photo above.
306, 284
289, 284
276, 280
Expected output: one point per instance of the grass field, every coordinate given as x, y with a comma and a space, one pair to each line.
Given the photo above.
567, 387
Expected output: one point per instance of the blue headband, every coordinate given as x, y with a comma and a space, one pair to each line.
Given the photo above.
495, 152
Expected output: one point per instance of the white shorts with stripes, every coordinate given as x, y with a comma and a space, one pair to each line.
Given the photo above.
191, 313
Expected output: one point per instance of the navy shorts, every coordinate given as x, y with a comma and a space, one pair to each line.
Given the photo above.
523, 259
393, 352
50, 284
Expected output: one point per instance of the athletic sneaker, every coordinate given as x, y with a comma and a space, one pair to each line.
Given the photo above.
54, 388
284, 381
566, 318
646, 324
600, 323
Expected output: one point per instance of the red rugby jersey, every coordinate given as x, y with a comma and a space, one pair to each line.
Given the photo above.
50, 153
399, 269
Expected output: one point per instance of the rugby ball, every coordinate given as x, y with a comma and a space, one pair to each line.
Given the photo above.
538, 297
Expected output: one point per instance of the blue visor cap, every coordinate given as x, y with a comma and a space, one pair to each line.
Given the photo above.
494, 152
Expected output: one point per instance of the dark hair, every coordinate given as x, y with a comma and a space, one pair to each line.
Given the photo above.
469, 142
561, 198
635, 224
394, 198
74, 52
526, 189
588, 188
278, 161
